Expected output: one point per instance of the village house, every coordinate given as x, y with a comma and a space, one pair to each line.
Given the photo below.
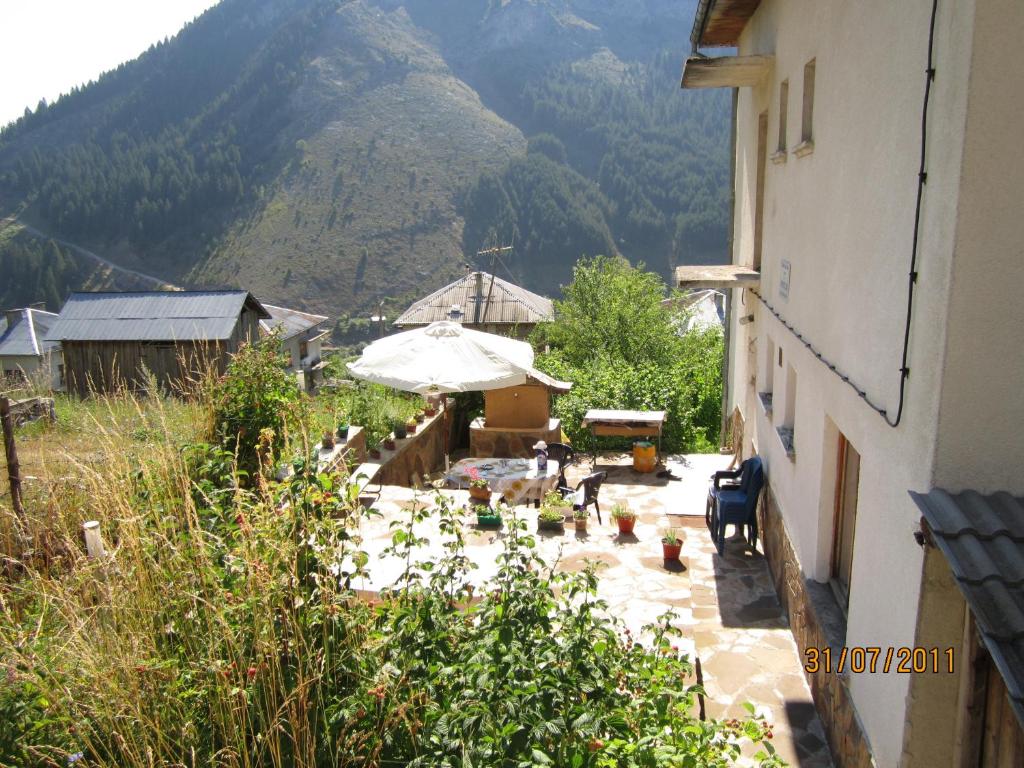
111, 340
874, 355
24, 349
302, 335
482, 302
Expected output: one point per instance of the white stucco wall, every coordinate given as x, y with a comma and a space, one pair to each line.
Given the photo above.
843, 217
981, 443
31, 365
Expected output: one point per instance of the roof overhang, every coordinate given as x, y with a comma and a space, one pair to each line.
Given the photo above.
982, 539
719, 23
726, 71
718, 276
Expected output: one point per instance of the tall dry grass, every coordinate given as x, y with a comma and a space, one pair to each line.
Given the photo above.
206, 634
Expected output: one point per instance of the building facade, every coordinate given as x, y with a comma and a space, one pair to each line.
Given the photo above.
112, 341
302, 335
25, 351
874, 350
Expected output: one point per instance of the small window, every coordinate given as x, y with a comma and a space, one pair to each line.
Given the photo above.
303, 350
807, 127
768, 378
783, 111
60, 374
787, 429
847, 481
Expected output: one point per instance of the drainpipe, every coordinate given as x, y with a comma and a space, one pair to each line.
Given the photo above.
728, 291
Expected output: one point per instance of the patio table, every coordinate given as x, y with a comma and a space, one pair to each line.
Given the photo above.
625, 424
517, 480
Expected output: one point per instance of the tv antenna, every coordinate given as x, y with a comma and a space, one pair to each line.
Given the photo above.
495, 254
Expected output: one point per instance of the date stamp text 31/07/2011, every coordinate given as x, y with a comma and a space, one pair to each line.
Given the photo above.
857, 659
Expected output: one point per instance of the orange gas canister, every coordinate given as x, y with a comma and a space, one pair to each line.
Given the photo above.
645, 456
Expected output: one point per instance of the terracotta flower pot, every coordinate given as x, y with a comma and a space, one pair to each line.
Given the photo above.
483, 494
581, 525
625, 524
671, 551
411, 428
374, 453
389, 444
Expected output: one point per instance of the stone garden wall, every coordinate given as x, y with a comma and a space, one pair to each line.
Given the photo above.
417, 455
816, 622
510, 443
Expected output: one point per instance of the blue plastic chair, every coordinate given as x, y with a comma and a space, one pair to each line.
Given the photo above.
736, 504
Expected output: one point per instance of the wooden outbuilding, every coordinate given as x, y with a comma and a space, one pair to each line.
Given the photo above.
111, 340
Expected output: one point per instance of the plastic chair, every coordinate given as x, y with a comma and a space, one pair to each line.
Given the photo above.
737, 505
564, 455
591, 485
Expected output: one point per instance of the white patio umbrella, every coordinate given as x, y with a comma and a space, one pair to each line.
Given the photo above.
445, 357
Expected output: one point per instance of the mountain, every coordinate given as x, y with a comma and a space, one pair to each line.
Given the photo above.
328, 153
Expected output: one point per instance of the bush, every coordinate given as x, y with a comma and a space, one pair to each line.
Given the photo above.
623, 349
252, 402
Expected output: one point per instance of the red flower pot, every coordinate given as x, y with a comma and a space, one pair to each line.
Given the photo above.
482, 494
625, 524
671, 551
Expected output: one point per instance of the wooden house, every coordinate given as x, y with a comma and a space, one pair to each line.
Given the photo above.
110, 340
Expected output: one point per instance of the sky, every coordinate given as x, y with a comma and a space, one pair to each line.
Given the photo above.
49, 46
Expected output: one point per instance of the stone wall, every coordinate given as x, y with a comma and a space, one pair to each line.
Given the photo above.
510, 443
417, 455
815, 623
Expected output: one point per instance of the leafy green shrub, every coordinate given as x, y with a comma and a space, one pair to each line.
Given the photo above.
623, 348
252, 402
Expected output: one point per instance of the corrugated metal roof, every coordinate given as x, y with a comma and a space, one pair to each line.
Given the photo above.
290, 321
151, 316
982, 538
26, 336
507, 303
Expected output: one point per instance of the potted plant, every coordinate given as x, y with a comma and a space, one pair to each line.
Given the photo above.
624, 517
478, 488
388, 443
555, 500
579, 519
429, 411
420, 416
375, 453
398, 427
327, 441
410, 426
550, 519
671, 545
485, 516
343, 430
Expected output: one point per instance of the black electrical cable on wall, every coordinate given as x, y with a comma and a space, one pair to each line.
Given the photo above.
922, 178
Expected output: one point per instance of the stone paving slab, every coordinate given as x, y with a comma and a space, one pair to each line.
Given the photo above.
726, 606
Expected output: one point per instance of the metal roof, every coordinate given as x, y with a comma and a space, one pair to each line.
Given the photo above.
291, 321
982, 538
489, 300
25, 336
152, 316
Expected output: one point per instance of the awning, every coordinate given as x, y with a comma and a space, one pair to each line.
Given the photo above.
719, 276
982, 539
725, 71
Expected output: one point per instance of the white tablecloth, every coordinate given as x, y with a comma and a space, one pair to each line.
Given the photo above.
517, 480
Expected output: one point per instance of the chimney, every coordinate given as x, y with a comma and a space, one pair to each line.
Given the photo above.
13, 316
479, 280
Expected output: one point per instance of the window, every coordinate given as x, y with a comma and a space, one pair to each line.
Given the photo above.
783, 111
847, 480
303, 350
60, 374
786, 430
768, 378
762, 159
807, 124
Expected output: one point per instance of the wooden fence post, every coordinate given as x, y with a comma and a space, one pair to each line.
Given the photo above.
11, 450
93, 539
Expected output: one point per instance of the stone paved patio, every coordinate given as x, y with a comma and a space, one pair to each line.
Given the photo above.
727, 606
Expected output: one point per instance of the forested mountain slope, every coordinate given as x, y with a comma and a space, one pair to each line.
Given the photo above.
326, 153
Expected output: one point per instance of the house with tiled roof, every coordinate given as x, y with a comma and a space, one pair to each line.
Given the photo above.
25, 350
483, 302
302, 335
